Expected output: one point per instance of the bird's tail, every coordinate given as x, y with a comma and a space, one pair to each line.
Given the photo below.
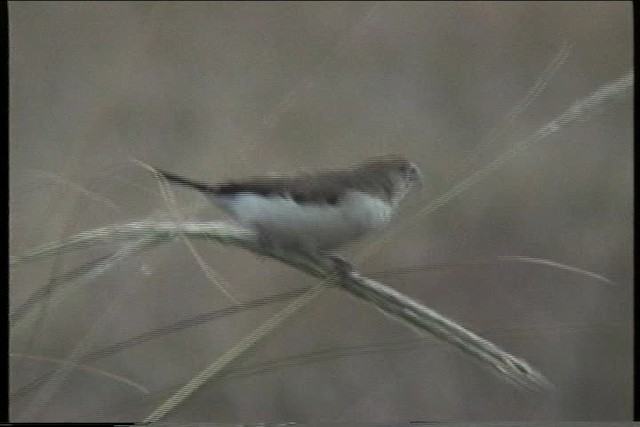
180, 180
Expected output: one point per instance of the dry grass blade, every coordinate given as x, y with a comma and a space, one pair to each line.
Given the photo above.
381, 296
89, 369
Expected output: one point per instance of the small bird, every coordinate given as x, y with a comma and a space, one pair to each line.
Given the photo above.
314, 213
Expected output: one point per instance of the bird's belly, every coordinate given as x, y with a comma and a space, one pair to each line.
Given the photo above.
311, 225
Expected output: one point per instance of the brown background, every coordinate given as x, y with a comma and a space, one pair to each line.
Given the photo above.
219, 90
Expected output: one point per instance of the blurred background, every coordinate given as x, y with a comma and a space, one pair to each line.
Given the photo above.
233, 89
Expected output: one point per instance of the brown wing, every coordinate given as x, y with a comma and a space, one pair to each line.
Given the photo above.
306, 189
327, 187
309, 189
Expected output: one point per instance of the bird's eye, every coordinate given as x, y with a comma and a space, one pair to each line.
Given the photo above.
413, 174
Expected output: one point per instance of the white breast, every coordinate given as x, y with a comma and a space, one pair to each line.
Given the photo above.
314, 225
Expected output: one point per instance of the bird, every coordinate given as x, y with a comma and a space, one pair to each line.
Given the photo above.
314, 213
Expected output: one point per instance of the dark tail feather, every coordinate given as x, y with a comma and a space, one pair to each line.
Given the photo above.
177, 179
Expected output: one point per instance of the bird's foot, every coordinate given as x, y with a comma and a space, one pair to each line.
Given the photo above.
340, 264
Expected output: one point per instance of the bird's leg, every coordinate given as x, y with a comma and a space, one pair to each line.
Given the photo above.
340, 263
331, 262
272, 243
269, 243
